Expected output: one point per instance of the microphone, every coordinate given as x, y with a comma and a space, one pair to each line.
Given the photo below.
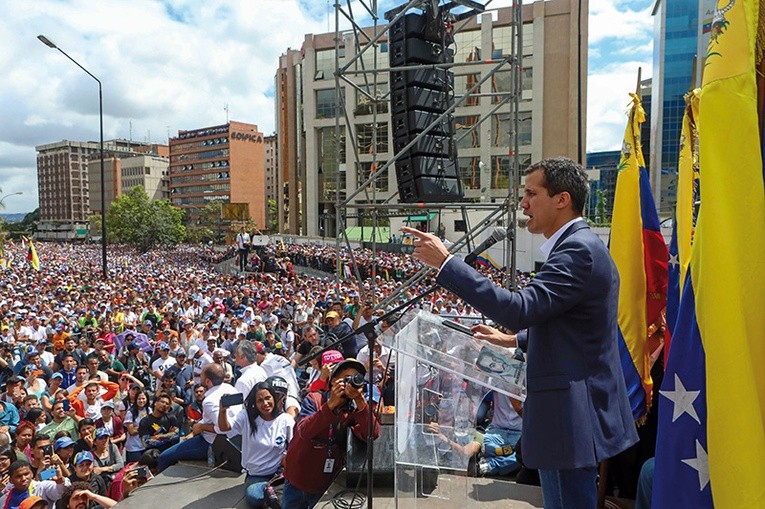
498, 234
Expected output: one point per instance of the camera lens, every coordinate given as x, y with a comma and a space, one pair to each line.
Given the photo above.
356, 380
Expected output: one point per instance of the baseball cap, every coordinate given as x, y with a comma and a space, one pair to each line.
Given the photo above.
102, 433
332, 314
331, 357
193, 349
63, 442
348, 363
108, 404
57, 375
164, 346
148, 322
82, 457
260, 347
30, 501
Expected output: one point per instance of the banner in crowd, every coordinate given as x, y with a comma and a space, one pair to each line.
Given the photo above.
710, 447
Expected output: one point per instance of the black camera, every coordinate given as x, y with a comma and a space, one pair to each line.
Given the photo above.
356, 380
47, 450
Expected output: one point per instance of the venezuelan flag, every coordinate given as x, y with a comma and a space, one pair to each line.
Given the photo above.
685, 215
716, 415
641, 257
32, 256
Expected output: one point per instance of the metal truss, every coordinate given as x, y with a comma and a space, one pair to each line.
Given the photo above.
366, 39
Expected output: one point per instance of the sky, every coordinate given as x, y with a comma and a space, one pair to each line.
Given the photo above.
177, 64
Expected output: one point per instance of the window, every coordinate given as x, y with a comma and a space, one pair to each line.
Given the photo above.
381, 183
464, 136
470, 172
365, 133
325, 63
467, 46
500, 169
364, 103
463, 83
326, 106
327, 146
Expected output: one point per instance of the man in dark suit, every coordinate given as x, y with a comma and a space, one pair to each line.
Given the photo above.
577, 412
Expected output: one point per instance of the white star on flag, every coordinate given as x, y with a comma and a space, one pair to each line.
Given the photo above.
683, 400
673, 261
700, 464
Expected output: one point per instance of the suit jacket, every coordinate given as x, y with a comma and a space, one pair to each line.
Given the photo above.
577, 412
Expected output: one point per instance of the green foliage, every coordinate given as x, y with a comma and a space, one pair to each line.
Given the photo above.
136, 220
205, 224
273, 215
26, 227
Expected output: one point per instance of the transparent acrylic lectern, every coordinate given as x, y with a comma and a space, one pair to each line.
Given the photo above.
442, 375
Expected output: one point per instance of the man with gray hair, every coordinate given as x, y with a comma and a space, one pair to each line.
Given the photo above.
246, 357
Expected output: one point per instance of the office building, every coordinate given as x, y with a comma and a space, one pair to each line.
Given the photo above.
681, 29
549, 121
270, 168
65, 172
125, 167
221, 164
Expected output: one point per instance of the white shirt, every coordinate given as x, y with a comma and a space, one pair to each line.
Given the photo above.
162, 364
262, 452
242, 239
251, 375
547, 247
276, 365
211, 405
198, 363
385, 354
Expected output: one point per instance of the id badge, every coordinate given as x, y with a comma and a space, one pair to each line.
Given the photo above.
329, 465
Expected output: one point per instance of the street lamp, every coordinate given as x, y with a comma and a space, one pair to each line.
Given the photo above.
50, 44
2, 200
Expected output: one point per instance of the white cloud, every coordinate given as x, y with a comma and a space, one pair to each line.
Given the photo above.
607, 103
167, 65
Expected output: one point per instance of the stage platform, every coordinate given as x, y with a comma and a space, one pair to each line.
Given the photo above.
192, 486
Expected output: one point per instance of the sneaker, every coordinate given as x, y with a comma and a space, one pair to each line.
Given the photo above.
483, 467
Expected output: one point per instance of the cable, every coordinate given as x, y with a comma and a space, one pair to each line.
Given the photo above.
206, 472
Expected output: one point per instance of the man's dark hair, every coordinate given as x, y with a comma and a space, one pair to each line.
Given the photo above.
150, 458
564, 175
214, 372
164, 395
87, 421
39, 437
63, 502
17, 465
81, 366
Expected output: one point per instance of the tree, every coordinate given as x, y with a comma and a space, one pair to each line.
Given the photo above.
205, 224
273, 215
136, 220
600, 208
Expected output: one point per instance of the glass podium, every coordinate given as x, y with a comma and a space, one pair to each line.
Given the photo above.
442, 376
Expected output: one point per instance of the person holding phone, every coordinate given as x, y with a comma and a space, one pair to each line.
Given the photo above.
45, 463
23, 485
266, 432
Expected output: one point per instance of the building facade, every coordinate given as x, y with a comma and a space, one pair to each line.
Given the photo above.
290, 130
219, 164
127, 165
678, 37
272, 179
553, 94
69, 182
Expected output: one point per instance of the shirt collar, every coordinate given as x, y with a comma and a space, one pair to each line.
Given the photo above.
547, 247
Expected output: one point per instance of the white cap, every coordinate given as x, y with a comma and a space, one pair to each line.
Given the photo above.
193, 349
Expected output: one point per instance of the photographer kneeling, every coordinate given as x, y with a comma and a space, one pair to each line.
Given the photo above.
317, 451
266, 431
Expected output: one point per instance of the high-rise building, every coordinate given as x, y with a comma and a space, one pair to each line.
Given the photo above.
553, 96
291, 143
602, 166
219, 164
679, 35
69, 183
126, 166
272, 180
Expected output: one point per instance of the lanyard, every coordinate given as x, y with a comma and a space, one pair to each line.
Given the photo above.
330, 441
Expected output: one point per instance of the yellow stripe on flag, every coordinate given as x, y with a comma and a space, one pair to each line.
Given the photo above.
687, 172
727, 261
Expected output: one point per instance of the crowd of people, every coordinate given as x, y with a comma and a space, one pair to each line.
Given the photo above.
106, 382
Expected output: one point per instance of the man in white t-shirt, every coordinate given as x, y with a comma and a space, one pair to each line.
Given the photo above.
246, 357
164, 361
199, 359
197, 444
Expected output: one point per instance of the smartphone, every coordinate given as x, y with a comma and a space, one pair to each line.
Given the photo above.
458, 327
47, 450
48, 474
141, 472
67, 405
232, 399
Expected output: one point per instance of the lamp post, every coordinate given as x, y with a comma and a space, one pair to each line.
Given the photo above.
50, 44
2, 200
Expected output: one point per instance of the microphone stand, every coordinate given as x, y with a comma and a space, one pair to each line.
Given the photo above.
368, 329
